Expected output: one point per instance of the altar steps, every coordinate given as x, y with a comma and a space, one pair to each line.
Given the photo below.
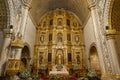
72, 78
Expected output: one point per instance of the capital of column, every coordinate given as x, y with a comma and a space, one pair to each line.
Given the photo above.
27, 3
92, 5
17, 43
110, 34
8, 33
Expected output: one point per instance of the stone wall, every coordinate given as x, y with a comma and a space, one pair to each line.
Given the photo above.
89, 36
30, 34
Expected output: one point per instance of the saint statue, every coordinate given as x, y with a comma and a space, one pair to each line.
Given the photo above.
59, 59
40, 59
78, 59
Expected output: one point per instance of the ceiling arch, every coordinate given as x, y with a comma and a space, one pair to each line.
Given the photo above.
40, 7
115, 15
3, 15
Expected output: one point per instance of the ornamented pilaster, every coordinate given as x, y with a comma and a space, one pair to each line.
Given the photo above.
95, 18
26, 4
5, 48
109, 61
111, 34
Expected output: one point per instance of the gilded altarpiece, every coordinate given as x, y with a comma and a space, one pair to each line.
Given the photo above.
59, 40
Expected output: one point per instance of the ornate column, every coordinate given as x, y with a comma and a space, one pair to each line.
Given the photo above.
109, 69
5, 50
66, 56
110, 35
18, 44
24, 19
96, 27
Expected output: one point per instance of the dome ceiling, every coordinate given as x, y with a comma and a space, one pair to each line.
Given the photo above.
40, 7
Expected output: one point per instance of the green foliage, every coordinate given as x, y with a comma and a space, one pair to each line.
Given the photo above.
82, 78
35, 76
25, 74
91, 73
59, 66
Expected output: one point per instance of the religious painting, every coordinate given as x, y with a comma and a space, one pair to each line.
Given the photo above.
74, 24
59, 37
42, 38
77, 38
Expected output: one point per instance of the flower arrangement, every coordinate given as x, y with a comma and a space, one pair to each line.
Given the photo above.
59, 67
35, 76
26, 75
75, 68
43, 67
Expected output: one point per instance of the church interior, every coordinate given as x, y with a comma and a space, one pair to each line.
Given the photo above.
59, 40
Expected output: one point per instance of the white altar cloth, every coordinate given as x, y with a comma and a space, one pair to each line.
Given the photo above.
63, 71
58, 73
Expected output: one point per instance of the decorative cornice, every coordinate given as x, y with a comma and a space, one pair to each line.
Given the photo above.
110, 75
110, 34
8, 33
17, 43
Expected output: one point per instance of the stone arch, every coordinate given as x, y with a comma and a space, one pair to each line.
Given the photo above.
94, 60
25, 56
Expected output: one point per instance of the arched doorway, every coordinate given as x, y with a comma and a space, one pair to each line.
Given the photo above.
25, 57
94, 61
114, 19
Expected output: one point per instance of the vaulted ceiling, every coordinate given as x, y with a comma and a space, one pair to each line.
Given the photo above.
3, 15
40, 7
115, 15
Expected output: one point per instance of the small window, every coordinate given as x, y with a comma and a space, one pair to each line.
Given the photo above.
59, 21
44, 24
50, 37
68, 22
69, 57
49, 57
51, 22
68, 37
